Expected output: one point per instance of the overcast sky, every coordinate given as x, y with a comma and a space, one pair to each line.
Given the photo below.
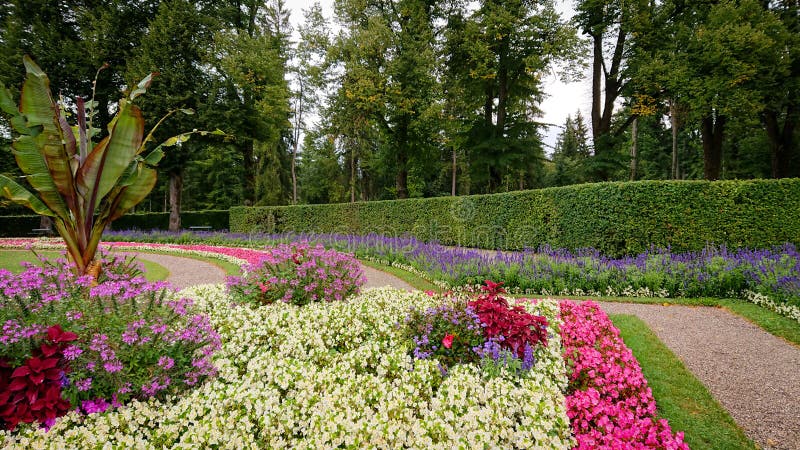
562, 99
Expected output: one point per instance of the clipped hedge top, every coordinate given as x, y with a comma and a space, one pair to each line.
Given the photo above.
614, 217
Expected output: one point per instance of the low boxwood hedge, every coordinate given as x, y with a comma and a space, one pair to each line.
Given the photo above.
615, 218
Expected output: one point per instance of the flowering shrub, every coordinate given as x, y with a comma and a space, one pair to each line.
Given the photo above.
487, 328
331, 375
125, 339
608, 400
298, 273
449, 332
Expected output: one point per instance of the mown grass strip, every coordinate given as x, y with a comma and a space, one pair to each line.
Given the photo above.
12, 260
681, 398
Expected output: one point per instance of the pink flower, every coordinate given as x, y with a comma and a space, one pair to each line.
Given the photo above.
447, 342
166, 362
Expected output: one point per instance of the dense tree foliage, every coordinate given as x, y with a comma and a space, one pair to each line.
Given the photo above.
417, 98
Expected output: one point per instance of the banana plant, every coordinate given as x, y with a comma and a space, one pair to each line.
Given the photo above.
83, 186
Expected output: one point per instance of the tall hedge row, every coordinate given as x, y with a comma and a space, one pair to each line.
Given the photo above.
21, 226
615, 218
216, 219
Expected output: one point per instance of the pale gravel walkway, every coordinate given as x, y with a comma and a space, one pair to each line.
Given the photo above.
184, 272
753, 374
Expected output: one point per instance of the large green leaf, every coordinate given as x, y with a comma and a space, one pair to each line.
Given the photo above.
57, 146
151, 160
7, 104
109, 159
18, 194
141, 185
33, 165
35, 100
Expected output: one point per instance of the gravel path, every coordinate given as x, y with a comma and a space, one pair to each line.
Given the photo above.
185, 272
752, 373
376, 278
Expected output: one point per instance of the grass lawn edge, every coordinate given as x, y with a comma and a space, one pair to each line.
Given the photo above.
680, 397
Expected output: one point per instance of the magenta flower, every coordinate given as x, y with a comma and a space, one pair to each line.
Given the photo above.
447, 342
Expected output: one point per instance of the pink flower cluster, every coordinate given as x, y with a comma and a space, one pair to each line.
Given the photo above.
298, 273
609, 403
245, 254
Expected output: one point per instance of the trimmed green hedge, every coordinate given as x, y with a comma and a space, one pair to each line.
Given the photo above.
217, 219
615, 218
18, 226
21, 226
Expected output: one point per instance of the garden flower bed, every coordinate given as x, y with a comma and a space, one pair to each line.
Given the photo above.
768, 277
608, 401
330, 374
353, 373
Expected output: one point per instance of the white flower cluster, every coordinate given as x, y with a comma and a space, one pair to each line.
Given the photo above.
790, 311
609, 292
332, 375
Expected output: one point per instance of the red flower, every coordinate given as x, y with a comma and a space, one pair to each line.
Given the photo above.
448, 340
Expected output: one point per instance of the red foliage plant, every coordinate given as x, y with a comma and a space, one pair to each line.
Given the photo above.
517, 326
32, 391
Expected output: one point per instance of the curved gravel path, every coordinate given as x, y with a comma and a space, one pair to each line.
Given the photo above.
753, 374
184, 272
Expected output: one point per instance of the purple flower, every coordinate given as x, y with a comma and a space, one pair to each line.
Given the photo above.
166, 362
84, 385
113, 366
98, 405
72, 352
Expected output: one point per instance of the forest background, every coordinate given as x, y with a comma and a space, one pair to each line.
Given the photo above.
394, 99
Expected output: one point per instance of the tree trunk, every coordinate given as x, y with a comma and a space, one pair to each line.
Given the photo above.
175, 189
673, 120
298, 114
455, 171
781, 143
597, 83
634, 148
402, 172
488, 105
352, 176
713, 131
502, 91
249, 166
46, 223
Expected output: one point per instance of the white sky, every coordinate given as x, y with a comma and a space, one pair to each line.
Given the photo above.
562, 99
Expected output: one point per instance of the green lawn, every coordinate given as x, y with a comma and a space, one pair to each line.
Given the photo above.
681, 398
12, 260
